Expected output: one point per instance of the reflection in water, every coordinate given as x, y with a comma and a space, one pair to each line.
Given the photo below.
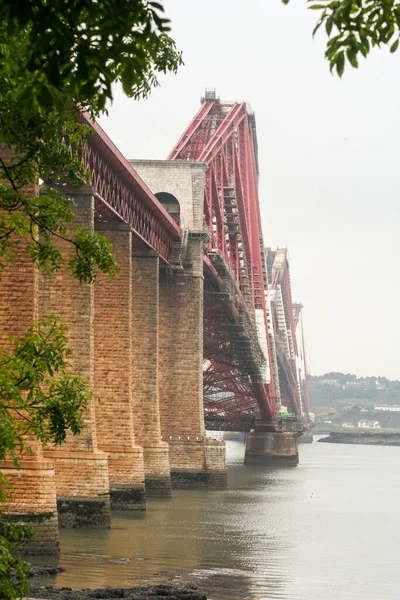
327, 529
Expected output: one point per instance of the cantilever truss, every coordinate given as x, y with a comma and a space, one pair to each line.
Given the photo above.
237, 377
289, 337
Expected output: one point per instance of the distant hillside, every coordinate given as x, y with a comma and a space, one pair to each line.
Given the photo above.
337, 390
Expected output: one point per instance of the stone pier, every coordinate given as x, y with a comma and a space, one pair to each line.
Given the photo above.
271, 449
82, 482
32, 496
113, 374
194, 461
146, 378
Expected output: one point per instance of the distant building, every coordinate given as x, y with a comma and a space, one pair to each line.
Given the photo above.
330, 381
388, 407
366, 424
348, 425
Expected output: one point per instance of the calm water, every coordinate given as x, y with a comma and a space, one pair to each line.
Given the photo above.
327, 530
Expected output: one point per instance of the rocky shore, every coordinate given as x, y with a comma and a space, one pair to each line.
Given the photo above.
373, 438
43, 571
146, 592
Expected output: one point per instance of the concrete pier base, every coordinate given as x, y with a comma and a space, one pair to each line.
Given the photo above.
156, 469
271, 449
306, 437
32, 503
126, 475
198, 465
82, 484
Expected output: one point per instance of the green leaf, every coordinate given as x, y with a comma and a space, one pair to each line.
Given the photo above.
394, 46
329, 25
340, 63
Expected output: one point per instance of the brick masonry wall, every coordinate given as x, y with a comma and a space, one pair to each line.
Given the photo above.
145, 346
145, 359
215, 455
32, 497
34, 503
64, 295
113, 364
181, 356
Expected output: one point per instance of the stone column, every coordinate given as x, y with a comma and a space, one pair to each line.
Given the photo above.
32, 500
194, 460
145, 359
81, 469
272, 449
113, 374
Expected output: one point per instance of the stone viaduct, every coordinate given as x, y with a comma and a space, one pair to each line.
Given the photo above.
198, 301
137, 340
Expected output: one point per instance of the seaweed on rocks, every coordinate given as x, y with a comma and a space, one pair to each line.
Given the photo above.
44, 570
146, 592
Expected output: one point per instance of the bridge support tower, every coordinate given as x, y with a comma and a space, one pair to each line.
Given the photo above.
82, 482
195, 461
113, 372
32, 496
146, 376
271, 448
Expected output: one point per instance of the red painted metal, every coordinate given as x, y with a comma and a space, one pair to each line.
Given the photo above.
223, 136
120, 192
286, 339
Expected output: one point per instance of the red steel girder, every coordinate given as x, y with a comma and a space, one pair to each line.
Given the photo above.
121, 193
232, 212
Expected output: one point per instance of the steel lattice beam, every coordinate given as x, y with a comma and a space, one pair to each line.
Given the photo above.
122, 194
223, 136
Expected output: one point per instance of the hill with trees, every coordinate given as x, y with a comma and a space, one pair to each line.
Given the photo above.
338, 390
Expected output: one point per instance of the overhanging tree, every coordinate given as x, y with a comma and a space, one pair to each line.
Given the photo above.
354, 27
57, 58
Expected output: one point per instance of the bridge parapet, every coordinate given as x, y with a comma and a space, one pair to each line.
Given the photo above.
121, 194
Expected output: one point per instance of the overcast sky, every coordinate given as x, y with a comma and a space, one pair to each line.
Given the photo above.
329, 163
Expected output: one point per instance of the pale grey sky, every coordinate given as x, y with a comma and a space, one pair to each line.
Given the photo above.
329, 151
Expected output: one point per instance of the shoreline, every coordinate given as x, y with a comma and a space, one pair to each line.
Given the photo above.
367, 438
144, 592
165, 590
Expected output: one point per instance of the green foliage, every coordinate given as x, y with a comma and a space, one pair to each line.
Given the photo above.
57, 59
356, 26
47, 144
82, 47
13, 570
38, 396
339, 389
39, 400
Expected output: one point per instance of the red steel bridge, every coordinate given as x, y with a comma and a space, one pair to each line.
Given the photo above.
253, 361
251, 354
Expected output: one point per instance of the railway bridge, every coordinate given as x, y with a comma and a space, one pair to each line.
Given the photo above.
197, 328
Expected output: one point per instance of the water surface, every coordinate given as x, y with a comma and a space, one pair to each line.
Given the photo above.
326, 530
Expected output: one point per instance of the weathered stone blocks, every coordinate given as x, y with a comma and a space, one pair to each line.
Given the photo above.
32, 503
146, 376
271, 449
113, 348
193, 460
32, 498
81, 470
